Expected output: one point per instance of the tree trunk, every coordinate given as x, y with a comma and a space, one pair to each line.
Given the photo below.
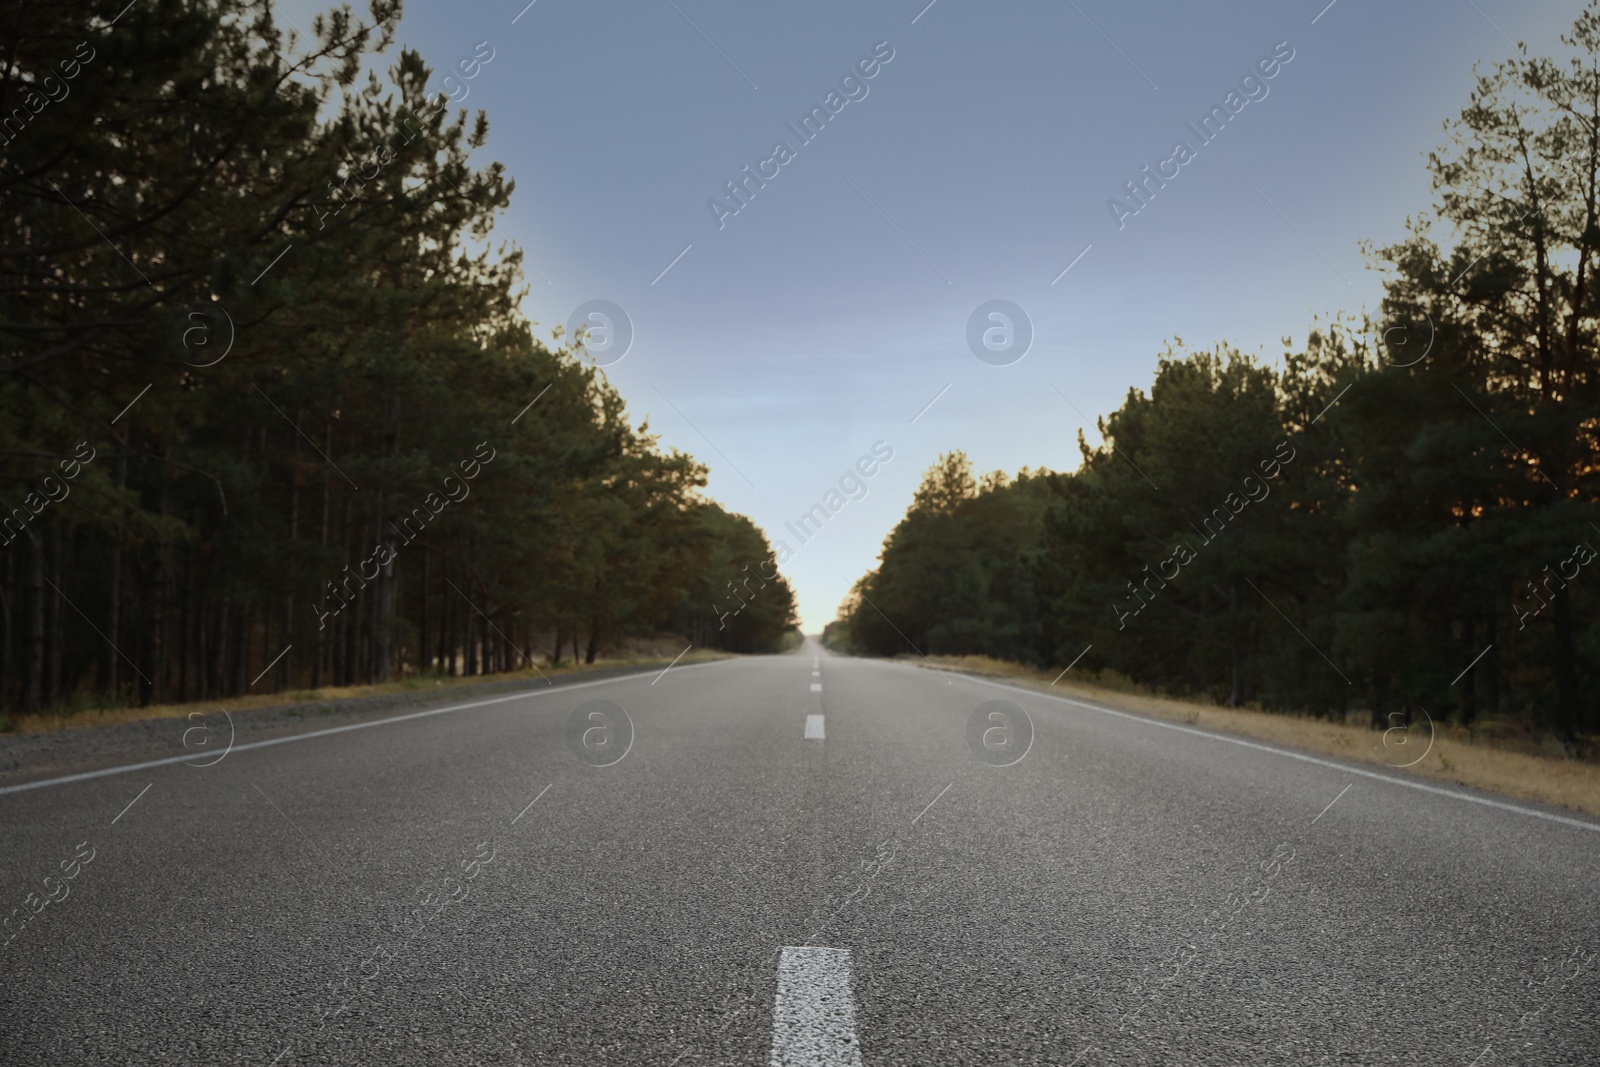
33, 677
447, 649
110, 662
322, 662
1492, 677
423, 663
469, 649
383, 611
241, 650
55, 620
7, 635
384, 604
218, 668
161, 596
185, 627
1566, 667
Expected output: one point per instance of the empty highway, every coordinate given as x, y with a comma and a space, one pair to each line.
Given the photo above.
798, 859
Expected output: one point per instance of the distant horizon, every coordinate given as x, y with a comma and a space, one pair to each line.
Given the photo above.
832, 309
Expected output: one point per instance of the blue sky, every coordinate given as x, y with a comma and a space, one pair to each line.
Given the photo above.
830, 311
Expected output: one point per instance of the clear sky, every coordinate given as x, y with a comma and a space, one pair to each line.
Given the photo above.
833, 307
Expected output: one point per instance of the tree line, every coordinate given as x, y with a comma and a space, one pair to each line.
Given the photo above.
266, 384
1398, 516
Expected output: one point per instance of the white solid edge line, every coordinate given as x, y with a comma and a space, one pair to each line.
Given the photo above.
1294, 755
815, 728
814, 1013
127, 768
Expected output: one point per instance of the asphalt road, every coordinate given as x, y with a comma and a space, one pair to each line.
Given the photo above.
474, 886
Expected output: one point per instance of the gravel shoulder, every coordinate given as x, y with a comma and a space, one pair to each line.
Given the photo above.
207, 730
1434, 751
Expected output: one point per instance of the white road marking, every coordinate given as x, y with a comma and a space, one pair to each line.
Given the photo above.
814, 1015
816, 687
1407, 783
816, 674
814, 728
816, 661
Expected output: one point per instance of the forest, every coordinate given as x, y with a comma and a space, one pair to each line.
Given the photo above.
1396, 516
271, 415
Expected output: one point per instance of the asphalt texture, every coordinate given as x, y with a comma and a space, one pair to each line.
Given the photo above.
609, 871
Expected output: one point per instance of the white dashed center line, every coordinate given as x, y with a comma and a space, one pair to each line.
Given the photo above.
814, 728
814, 1016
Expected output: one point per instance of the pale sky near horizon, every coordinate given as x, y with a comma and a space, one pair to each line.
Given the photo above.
833, 307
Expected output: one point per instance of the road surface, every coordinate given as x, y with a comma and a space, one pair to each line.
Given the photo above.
789, 859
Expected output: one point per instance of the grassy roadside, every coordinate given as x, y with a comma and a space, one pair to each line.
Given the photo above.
1453, 756
45, 723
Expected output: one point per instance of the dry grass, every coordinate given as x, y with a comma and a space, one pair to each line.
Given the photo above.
1454, 755
103, 716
